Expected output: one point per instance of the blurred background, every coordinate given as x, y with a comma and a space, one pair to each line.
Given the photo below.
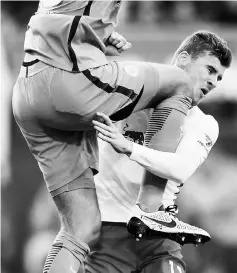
209, 199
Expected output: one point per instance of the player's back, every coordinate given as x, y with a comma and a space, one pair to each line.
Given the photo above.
71, 35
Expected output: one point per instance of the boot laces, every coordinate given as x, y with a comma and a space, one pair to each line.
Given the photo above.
172, 209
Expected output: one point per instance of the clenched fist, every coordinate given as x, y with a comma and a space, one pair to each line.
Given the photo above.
117, 44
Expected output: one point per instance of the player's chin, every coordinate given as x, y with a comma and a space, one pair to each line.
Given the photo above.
198, 98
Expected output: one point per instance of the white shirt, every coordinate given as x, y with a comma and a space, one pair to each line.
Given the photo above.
119, 179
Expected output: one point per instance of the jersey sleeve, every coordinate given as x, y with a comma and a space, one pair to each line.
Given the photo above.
199, 139
194, 147
210, 134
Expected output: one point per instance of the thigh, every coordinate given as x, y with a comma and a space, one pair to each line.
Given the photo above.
77, 97
68, 101
158, 255
114, 253
153, 83
63, 156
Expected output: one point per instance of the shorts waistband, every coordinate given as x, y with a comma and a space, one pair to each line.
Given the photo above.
31, 68
115, 224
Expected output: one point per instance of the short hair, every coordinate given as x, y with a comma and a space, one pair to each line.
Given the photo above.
204, 41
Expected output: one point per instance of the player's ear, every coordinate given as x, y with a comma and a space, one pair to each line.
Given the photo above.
183, 59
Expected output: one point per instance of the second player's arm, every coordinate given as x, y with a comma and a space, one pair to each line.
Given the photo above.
191, 152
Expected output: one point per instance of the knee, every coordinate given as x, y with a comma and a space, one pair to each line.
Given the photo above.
85, 228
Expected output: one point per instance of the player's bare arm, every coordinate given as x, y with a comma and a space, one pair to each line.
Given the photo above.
191, 152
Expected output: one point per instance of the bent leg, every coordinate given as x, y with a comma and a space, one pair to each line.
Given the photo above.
152, 83
71, 100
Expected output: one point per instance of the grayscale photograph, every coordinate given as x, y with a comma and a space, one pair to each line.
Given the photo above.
118, 136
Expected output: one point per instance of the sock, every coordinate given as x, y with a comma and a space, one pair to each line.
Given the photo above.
143, 207
163, 133
66, 255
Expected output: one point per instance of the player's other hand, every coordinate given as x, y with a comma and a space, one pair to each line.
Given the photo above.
118, 42
108, 132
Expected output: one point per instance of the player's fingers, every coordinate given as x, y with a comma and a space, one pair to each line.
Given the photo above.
106, 119
103, 126
114, 38
103, 131
121, 44
105, 138
126, 46
114, 35
113, 42
117, 40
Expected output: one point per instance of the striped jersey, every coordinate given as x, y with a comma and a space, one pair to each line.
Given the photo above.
119, 179
71, 35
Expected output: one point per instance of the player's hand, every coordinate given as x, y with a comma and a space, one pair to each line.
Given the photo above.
119, 42
108, 132
111, 51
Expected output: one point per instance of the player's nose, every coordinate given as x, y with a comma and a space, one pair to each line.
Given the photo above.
211, 84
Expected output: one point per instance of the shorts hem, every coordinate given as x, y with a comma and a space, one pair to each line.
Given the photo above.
75, 183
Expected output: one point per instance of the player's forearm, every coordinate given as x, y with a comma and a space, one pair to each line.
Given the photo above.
172, 166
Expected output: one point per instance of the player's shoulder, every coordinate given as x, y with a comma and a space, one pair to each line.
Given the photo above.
207, 122
207, 119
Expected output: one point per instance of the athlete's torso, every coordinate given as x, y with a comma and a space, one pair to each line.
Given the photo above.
71, 35
119, 179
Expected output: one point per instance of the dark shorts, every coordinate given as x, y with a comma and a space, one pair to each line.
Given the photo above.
54, 110
119, 252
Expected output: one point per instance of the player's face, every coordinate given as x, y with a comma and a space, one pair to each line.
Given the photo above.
205, 72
